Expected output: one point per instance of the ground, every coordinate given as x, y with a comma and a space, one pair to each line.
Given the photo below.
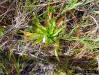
49, 37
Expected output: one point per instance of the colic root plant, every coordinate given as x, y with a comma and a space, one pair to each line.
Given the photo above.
48, 35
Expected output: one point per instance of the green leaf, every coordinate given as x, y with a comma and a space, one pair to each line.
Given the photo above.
71, 32
56, 51
33, 37
1, 31
82, 40
97, 12
57, 31
48, 40
41, 28
10, 55
52, 9
38, 28
96, 40
73, 1
52, 26
73, 4
37, 41
1, 71
53, 22
69, 7
86, 2
97, 1
1, 64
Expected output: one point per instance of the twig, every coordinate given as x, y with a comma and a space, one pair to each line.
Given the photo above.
97, 25
98, 62
3, 2
4, 14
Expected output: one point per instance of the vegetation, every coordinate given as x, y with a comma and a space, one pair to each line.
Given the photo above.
52, 37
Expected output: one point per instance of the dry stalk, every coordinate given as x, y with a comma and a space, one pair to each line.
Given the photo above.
98, 62
81, 54
97, 26
3, 2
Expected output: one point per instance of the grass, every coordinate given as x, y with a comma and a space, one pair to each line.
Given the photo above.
1, 31
47, 26
97, 12
74, 4
6, 64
